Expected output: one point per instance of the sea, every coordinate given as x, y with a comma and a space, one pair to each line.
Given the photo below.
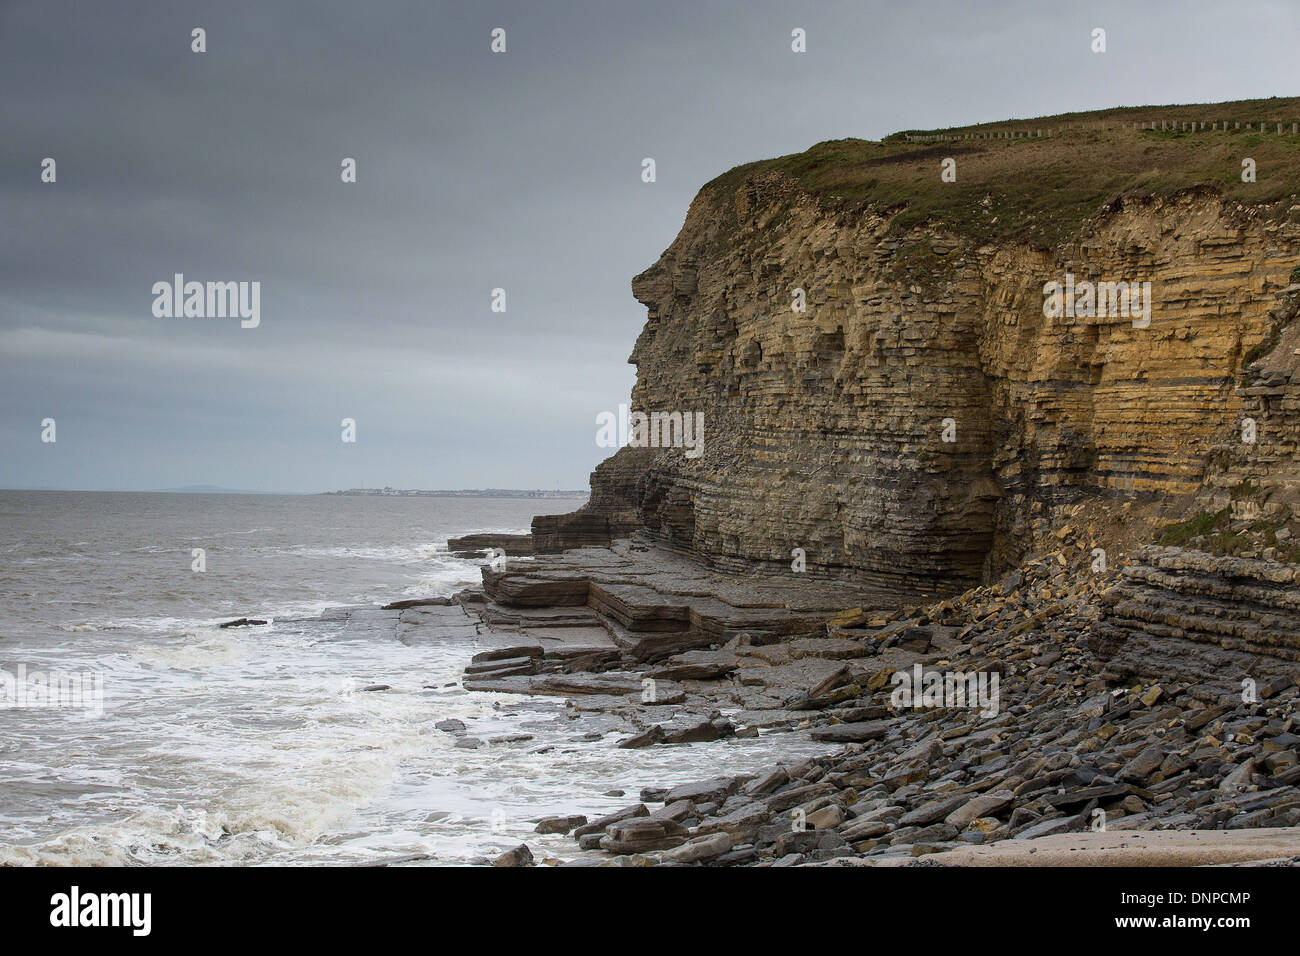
261, 745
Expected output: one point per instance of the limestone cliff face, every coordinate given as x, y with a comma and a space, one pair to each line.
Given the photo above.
824, 429
1254, 472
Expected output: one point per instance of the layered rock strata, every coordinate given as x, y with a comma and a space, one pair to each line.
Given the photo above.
1196, 616
923, 422
1253, 470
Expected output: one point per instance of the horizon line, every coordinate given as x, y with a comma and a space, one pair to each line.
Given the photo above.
377, 492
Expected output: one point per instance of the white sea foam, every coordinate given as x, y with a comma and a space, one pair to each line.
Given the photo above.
259, 745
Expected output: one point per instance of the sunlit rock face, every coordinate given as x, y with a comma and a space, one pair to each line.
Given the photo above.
925, 420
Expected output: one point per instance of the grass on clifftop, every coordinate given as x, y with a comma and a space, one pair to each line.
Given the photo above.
1041, 190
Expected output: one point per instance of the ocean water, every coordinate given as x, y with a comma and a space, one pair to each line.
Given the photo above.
259, 745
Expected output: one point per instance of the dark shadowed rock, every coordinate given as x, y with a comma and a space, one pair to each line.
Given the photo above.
715, 790
599, 825
418, 602
511, 544
647, 738
512, 652
852, 733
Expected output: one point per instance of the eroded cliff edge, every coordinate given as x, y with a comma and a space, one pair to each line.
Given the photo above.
825, 428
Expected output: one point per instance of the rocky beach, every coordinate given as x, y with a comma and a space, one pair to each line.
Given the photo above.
650, 652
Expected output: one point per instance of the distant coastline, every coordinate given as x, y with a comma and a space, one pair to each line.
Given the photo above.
462, 493
372, 492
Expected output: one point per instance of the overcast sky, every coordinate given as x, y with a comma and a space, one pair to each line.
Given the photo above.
476, 171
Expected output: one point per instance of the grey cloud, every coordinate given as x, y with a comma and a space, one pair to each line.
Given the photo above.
475, 171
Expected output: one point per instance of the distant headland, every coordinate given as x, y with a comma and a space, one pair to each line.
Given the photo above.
463, 493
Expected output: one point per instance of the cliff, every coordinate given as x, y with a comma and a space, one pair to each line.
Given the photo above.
924, 423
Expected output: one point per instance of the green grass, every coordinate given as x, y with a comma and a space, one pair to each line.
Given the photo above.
1217, 536
1042, 191
1199, 524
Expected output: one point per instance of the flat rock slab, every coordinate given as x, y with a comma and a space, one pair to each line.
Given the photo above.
434, 614
512, 544
366, 622
567, 685
535, 588
507, 652
640, 608
705, 791
696, 665
601, 703
650, 588
503, 667
828, 648
432, 624
529, 617
1130, 848
417, 602
414, 636
853, 733
575, 639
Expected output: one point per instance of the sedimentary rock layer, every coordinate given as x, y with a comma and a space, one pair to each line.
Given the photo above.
1187, 615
